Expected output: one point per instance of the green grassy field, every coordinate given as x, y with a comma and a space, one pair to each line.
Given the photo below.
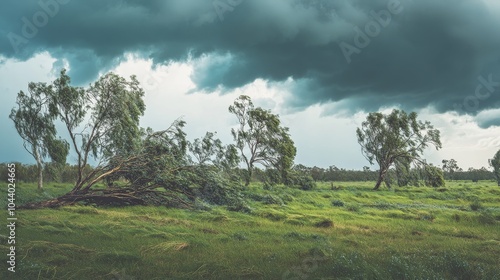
349, 232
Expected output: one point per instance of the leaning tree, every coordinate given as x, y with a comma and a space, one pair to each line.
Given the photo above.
495, 163
35, 125
261, 139
395, 137
101, 121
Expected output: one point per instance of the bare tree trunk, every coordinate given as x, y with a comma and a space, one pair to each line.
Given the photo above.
39, 166
249, 176
40, 176
379, 181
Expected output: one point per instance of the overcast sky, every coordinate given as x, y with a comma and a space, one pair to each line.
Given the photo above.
321, 65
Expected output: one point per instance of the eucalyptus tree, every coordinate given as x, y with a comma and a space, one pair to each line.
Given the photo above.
102, 124
495, 163
398, 136
35, 125
261, 139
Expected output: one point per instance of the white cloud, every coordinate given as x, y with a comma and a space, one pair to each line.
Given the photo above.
462, 139
321, 140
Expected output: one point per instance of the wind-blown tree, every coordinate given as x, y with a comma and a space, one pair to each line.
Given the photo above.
102, 121
385, 139
103, 124
261, 139
35, 125
161, 172
495, 163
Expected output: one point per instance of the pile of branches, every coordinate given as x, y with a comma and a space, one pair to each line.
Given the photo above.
123, 196
159, 173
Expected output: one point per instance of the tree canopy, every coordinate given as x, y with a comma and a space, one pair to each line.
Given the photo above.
102, 121
35, 125
397, 137
148, 167
261, 139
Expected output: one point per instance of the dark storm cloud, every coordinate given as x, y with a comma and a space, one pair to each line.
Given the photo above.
429, 52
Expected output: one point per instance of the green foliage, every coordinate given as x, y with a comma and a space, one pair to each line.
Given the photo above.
35, 124
412, 178
386, 139
261, 139
325, 223
433, 176
300, 180
495, 163
354, 207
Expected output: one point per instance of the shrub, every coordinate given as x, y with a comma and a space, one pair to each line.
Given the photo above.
476, 205
434, 177
338, 203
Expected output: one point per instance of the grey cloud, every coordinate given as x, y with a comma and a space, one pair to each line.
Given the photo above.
488, 118
430, 54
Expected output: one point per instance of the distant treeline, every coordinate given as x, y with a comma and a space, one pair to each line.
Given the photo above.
28, 173
68, 173
334, 173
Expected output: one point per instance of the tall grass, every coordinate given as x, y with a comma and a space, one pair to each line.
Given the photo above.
350, 232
